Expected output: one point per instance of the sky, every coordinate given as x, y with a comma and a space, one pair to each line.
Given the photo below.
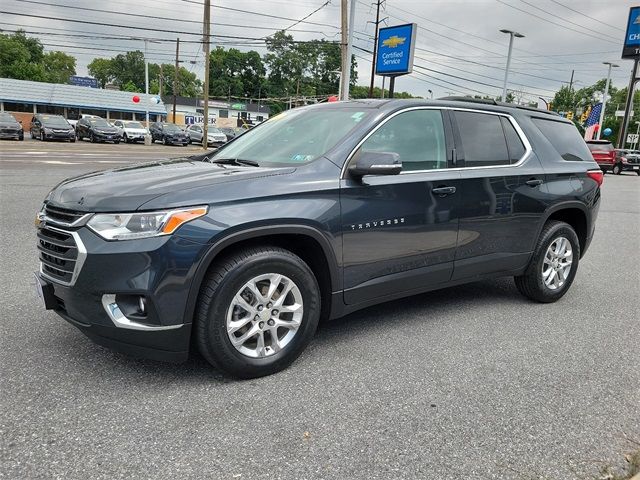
459, 49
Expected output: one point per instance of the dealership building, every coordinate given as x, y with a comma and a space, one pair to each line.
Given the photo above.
24, 98
222, 112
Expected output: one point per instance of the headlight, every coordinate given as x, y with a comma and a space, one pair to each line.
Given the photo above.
127, 226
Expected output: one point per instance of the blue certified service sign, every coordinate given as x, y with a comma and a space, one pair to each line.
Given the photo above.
395, 49
631, 47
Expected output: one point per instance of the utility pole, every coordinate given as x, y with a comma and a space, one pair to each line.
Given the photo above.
571, 81
347, 73
604, 99
147, 138
375, 49
206, 31
160, 83
175, 79
343, 49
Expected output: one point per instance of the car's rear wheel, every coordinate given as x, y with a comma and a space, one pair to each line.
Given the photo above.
617, 169
554, 264
257, 311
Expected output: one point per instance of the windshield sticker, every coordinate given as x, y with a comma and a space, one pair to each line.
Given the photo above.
301, 158
357, 116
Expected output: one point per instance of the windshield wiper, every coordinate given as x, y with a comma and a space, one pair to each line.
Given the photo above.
236, 161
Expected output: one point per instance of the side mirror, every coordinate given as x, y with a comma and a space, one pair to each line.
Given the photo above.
20, 122
376, 163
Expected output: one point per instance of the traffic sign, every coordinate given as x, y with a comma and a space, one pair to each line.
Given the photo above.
395, 49
632, 138
631, 48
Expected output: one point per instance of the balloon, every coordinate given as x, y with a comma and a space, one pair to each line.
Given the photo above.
154, 100
607, 132
136, 99
332, 98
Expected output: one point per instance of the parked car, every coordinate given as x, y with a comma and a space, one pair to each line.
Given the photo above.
10, 128
215, 136
130, 130
97, 129
630, 160
605, 155
315, 214
51, 127
231, 133
168, 133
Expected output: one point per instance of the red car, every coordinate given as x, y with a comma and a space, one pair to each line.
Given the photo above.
605, 155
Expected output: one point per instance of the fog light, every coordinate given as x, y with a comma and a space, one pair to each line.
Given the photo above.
142, 305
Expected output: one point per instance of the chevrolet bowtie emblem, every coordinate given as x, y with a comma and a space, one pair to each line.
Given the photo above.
393, 42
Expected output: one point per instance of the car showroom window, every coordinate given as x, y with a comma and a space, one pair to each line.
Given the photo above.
483, 139
565, 139
514, 142
417, 136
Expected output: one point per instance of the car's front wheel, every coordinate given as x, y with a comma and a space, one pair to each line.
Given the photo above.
617, 169
554, 264
257, 311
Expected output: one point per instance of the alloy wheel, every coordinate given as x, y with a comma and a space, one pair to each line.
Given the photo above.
264, 315
557, 263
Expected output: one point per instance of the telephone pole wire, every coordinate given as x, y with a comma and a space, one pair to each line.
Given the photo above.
206, 31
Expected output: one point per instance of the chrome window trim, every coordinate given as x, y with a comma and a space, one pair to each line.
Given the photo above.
82, 255
121, 321
525, 141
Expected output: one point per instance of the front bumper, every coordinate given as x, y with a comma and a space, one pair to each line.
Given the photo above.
60, 135
158, 269
107, 137
11, 134
178, 140
631, 167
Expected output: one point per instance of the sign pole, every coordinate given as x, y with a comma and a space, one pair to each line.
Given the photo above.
622, 137
392, 85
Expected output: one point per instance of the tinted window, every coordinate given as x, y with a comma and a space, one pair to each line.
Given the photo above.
54, 121
483, 139
565, 138
417, 136
514, 142
5, 117
600, 146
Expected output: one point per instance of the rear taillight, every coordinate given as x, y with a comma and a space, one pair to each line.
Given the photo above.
597, 175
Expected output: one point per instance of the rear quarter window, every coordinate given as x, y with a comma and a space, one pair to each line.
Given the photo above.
565, 139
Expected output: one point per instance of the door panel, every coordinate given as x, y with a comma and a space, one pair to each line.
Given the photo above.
398, 235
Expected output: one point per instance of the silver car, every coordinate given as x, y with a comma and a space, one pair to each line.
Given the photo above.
215, 136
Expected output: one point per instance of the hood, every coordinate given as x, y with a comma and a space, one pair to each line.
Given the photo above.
105, 129
134, 130
128, 188
10, 124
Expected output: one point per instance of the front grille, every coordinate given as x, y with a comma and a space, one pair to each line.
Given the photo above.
63, 215
58, 254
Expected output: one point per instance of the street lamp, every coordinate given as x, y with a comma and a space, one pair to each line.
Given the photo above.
604, 99
506, 71
430, 93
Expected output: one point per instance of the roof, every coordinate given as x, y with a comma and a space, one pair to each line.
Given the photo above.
59, 94
216, 102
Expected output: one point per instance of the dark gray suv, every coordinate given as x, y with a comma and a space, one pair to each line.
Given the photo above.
316, 213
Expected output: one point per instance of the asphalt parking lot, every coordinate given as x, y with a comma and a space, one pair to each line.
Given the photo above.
469, 382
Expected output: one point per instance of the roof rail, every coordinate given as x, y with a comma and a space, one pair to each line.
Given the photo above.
485, 101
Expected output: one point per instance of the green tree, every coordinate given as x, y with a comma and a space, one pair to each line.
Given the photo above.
101, 69
58, 67
23, 58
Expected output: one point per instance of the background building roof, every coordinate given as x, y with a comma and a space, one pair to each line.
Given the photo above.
58, 94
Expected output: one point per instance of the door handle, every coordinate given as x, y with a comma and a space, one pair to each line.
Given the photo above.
534, 182
443, 191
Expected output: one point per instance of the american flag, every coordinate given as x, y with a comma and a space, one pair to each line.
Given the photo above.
592, 121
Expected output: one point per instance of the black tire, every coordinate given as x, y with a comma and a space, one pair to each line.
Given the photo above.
638, 172
617, 169
116, 142
220, 286
93, 138
21, 138
164, 141
126, 138
42, 139
72, 140
531, 283
78, 136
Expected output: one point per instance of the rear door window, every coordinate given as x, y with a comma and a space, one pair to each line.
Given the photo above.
565, 139
483, 139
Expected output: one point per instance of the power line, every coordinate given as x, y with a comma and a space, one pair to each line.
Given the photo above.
585, 15
555, 23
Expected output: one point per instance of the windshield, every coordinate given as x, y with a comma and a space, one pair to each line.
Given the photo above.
214, 130
5, 117
170, 127
600, 146
293, 137
99, 122
133, 125
54, 121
